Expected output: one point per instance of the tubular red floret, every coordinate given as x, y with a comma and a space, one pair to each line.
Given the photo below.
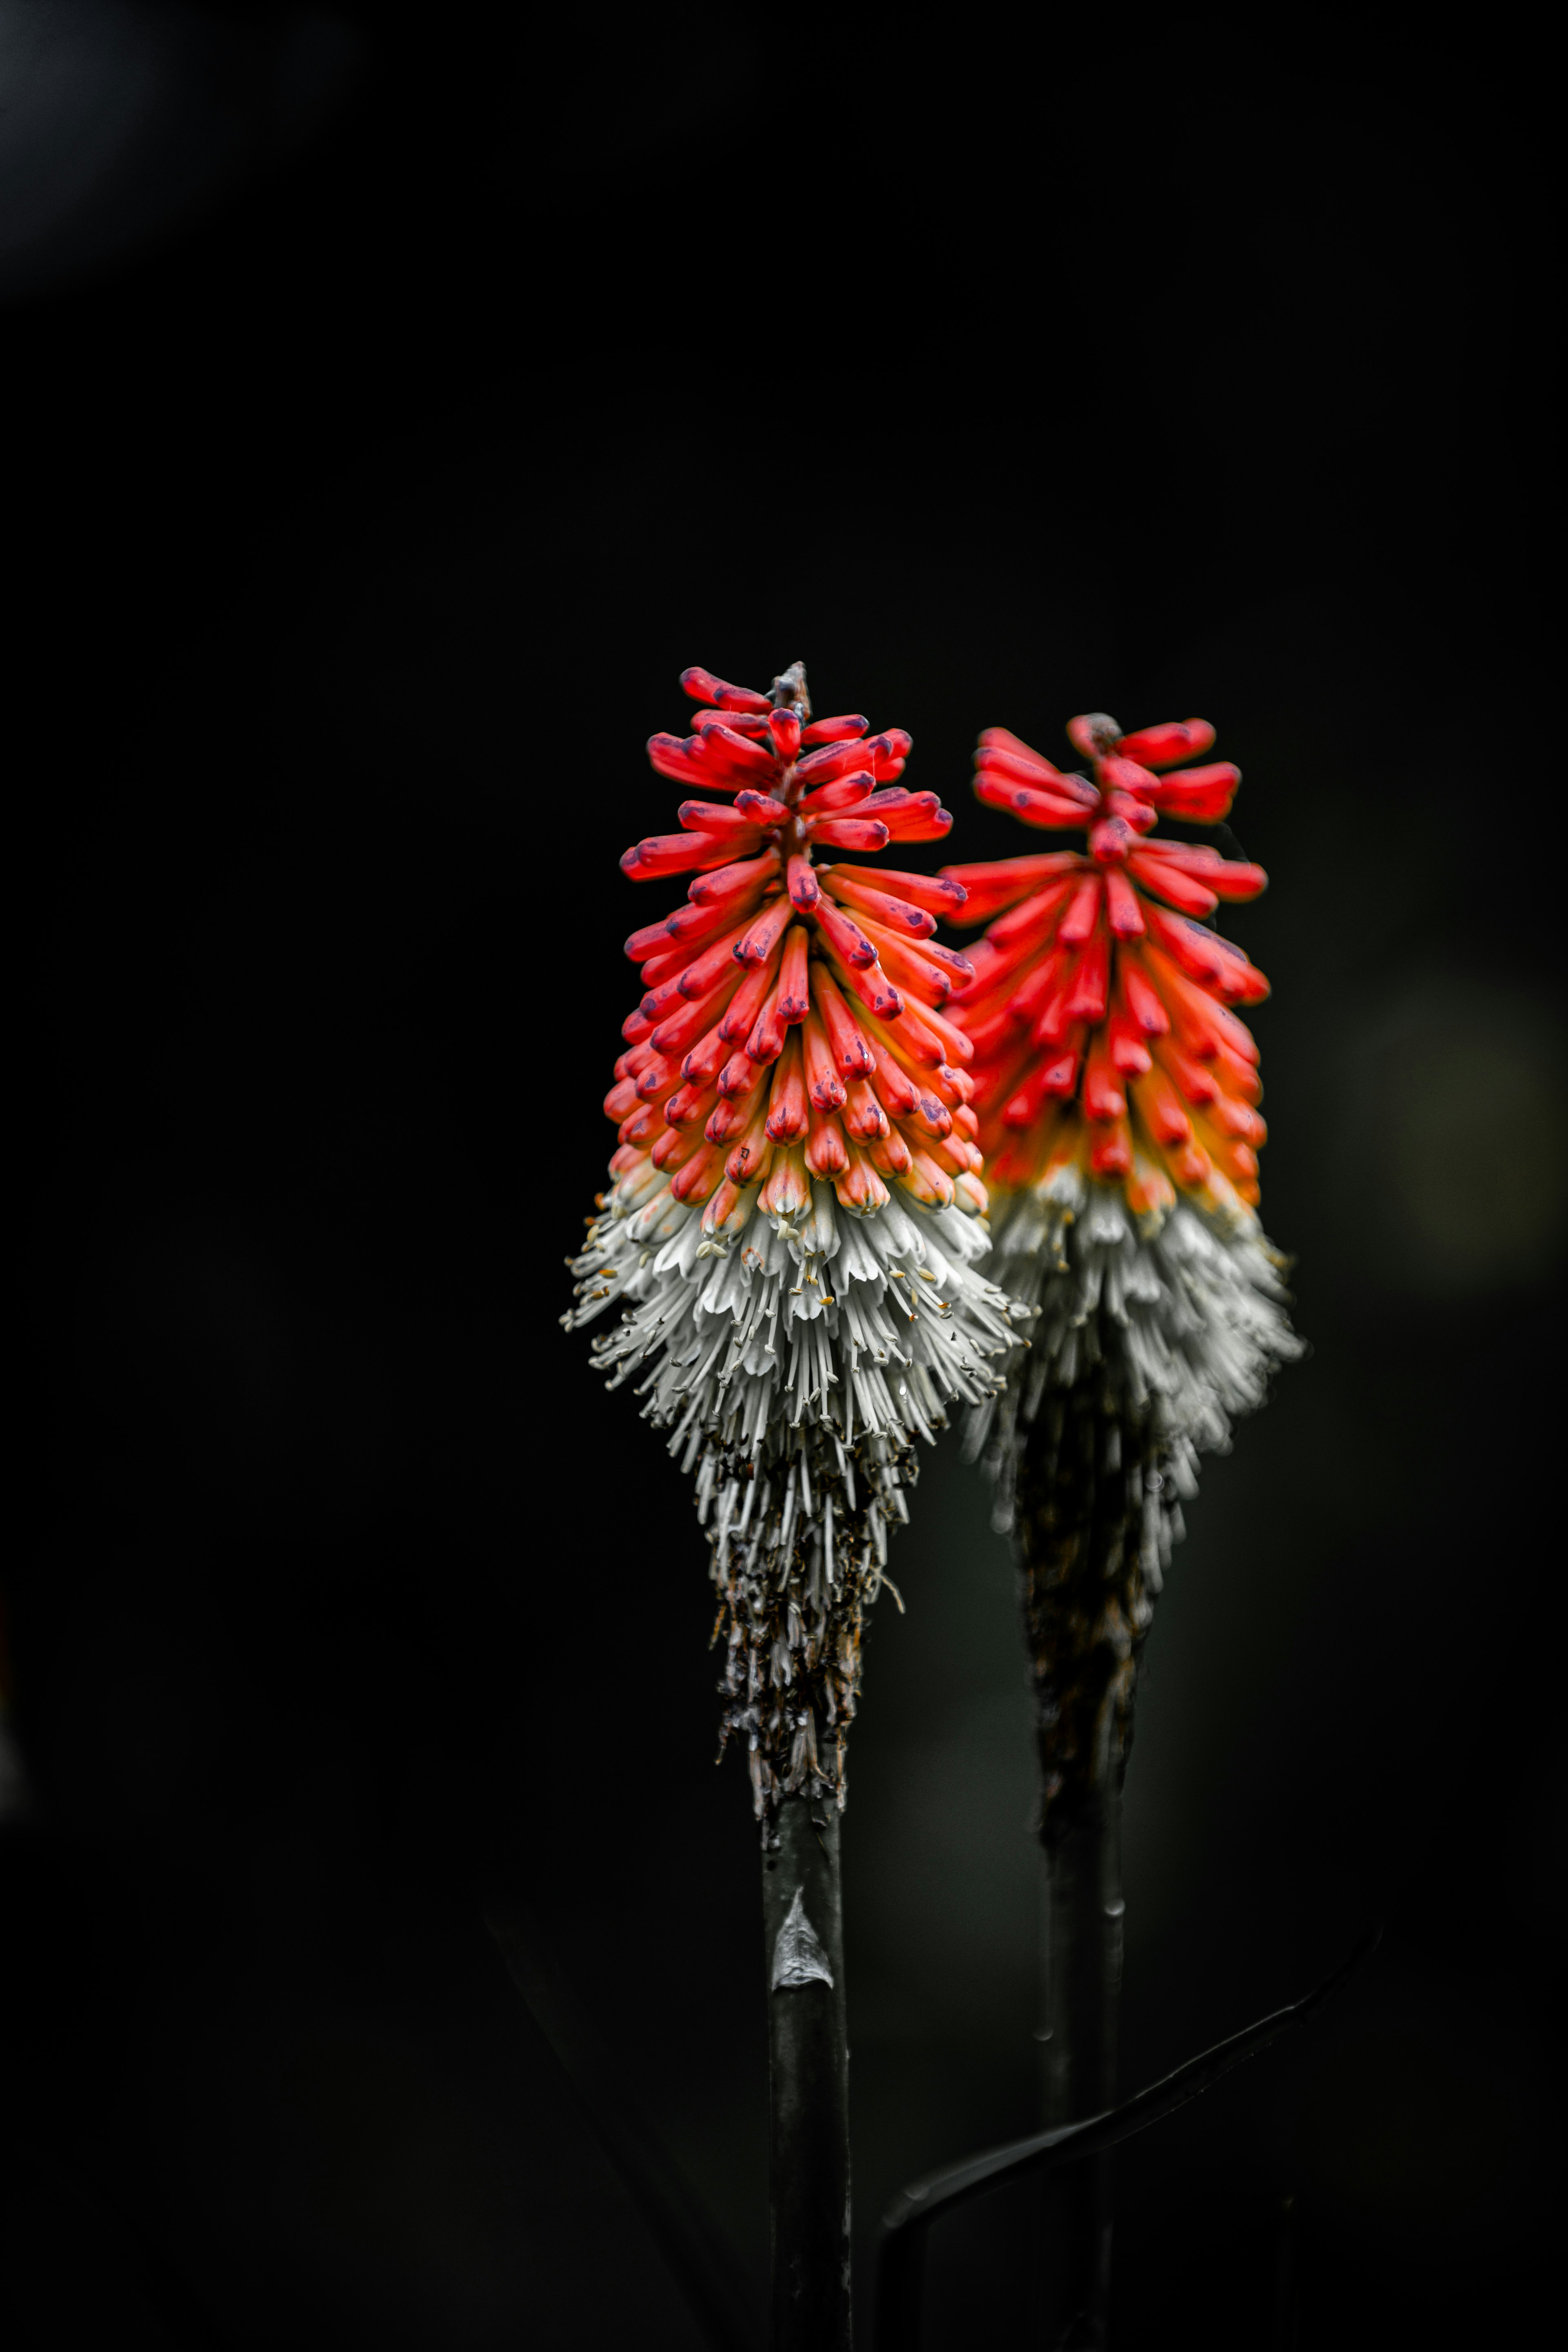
826, 1153
872, 985
898, 1092
730, 885
823, 1084
908, 817
693, 926
680, 1031
673, 852
990, 889
707, 1058
717, 959
865, 1114
702, 687
770, 1030
835, 730
912, 922
850, 1051
794, 992
854, 832
1160, 746
787, 1109
760, 809
802, 883
723, 821
1200, 795
749, 998
934, 894
764, 933
1168, 882
911, 966
1037, 808
844, 937
659, 969
845, 793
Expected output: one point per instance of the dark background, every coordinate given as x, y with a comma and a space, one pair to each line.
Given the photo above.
394, 402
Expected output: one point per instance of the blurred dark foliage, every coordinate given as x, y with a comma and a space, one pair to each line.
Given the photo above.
395, 402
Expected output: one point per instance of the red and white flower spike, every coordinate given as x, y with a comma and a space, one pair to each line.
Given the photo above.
1116, 1091
796, 1215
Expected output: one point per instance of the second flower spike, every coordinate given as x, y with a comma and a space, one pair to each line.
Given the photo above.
1117, 1092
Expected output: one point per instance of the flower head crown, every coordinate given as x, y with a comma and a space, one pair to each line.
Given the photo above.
791, 1025
1100, 1010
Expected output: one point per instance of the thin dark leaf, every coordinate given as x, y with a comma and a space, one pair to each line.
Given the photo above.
900, 2255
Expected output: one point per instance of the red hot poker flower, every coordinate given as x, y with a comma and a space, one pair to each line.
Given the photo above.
1102, 1009
1117, 1090
797, 1212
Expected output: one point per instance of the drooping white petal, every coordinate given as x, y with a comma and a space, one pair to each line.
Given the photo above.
1180, 1321
1151, 1339
795, 1361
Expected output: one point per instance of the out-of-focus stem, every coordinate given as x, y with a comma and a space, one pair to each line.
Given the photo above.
1081, 1989
1090, 1497
808, 2153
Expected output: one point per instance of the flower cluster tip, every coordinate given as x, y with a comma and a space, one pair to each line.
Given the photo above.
1101, 1012
792, 1024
